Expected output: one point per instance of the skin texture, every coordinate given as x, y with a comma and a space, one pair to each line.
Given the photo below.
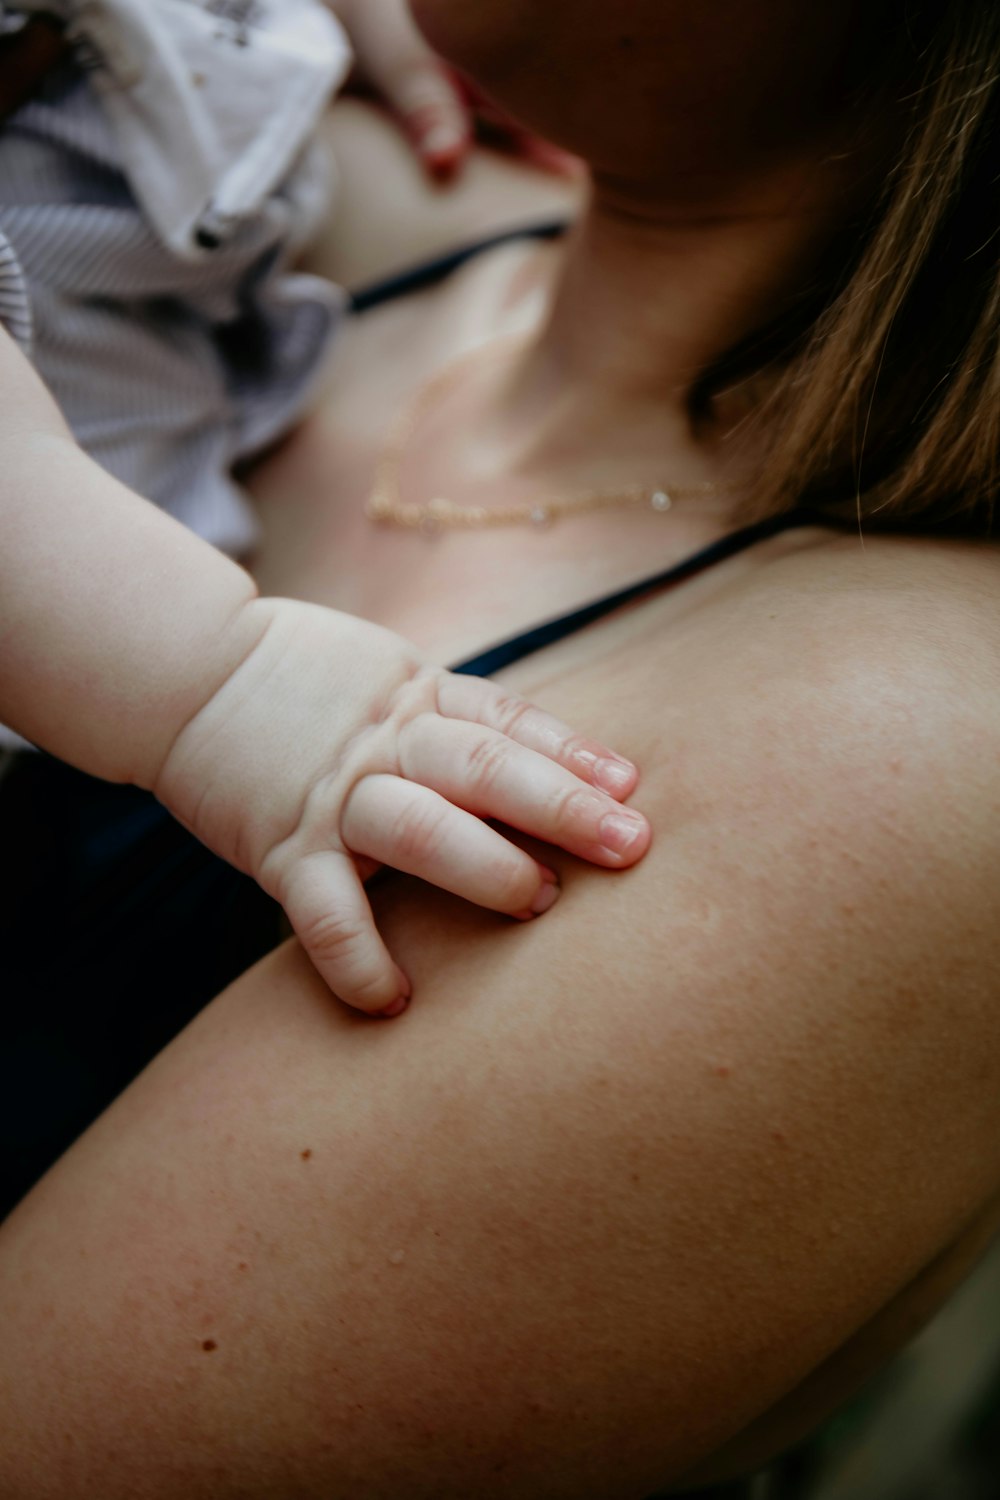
623, 1179
623, 1183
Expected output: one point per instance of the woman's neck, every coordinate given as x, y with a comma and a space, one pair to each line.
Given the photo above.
651, 294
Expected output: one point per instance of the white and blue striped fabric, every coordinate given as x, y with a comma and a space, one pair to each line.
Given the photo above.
168, 371
15, 309
212, 101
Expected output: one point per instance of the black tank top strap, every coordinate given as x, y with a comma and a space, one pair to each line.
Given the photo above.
494, 658
428, 273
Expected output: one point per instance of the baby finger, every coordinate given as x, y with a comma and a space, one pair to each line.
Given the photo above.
415, 830
326, 904
486, 773
483, 702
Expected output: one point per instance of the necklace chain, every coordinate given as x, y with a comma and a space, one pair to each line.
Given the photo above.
385, 505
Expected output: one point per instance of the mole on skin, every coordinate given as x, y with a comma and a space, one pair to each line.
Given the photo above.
209, 1346
305, 1155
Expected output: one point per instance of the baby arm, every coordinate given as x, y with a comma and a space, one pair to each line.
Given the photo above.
302, 745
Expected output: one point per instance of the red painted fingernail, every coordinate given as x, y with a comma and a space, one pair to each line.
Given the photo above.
443, 168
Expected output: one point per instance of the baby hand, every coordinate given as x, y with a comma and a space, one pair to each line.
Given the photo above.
395, 60
334, 748
441, 113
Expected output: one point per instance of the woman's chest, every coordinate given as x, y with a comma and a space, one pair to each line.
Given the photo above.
451, 589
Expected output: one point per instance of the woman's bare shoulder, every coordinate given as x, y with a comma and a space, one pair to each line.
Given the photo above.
795, 993
841, 677
621, 1178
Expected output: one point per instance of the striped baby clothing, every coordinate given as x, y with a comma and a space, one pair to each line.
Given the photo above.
15, 309
153, 195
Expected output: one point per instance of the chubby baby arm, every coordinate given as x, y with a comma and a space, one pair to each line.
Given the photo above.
335, 744
300, 744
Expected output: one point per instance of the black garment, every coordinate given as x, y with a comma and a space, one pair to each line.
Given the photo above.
116, 928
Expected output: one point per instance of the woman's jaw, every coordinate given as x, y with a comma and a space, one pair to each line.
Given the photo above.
672, 97
724, 145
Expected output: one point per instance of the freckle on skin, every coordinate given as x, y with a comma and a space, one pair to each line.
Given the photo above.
723, 1070
779, 1136
306, 1154
243, 1265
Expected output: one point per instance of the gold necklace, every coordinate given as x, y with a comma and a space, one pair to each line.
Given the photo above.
386, 507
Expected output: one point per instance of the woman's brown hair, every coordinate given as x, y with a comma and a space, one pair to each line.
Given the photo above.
890, 405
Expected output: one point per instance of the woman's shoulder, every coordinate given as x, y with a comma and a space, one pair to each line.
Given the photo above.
858, 641
915, 603
852, 687
785, 1017
841, 602
825, 729
829, 678
879, 653
622, 1177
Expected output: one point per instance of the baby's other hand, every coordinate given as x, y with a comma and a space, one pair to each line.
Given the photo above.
335, 748
441, 113
394, 59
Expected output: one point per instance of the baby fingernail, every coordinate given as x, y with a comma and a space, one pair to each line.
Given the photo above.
621, 831
401, 1002
614, 776
546, 897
